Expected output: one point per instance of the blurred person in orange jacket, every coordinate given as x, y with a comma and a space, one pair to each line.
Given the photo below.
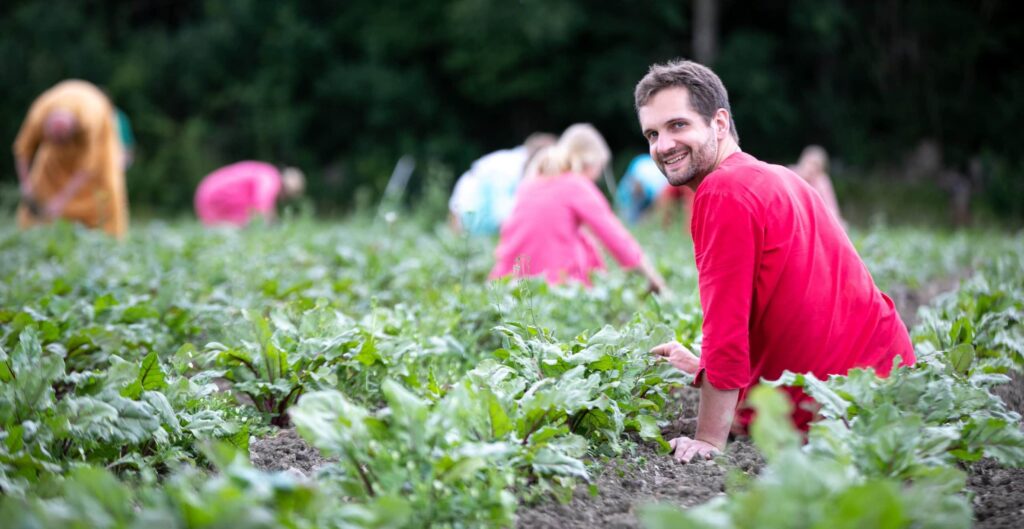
68, 158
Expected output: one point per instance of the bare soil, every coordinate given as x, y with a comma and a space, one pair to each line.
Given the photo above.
999, 492
623, 484
287, 452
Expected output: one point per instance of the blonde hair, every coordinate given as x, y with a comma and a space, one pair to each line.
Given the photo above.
293, 182
580, 147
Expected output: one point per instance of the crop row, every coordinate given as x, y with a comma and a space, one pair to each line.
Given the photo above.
134, 375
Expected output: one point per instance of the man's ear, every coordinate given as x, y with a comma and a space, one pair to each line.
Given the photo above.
721, 122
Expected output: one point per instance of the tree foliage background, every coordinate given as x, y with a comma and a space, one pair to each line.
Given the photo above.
343, 89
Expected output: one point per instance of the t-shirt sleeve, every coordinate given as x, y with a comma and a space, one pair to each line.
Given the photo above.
595, 213
726, 239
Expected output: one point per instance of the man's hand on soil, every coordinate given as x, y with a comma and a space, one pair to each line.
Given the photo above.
679, 356
685, 449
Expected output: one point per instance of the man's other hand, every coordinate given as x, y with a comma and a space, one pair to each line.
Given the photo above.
685, 449
679, 356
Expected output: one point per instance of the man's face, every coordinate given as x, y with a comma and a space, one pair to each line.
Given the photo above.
682, 143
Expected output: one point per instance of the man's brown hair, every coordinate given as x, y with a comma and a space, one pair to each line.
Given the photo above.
707, 93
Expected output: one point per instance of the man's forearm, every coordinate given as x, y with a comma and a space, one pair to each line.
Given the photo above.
715, 414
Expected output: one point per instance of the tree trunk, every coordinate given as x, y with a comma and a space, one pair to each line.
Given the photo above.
705, 31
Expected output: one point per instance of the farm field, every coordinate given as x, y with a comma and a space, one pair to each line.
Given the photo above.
365, 374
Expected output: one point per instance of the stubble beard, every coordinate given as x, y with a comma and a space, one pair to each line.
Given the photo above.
702, 162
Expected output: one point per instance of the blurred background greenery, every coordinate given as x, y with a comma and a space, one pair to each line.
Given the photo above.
913, 98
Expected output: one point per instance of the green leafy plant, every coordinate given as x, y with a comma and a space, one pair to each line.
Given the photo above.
412, 456
803, 489
236, 495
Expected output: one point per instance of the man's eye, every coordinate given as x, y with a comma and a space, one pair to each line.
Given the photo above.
678, 125
651, 136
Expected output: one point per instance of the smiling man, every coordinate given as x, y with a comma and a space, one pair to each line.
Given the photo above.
781, 286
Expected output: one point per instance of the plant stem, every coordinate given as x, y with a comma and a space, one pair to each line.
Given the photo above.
362, 473
534, 427
577, 420
247, 364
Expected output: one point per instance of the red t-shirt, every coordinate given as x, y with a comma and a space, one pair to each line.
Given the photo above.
782, 286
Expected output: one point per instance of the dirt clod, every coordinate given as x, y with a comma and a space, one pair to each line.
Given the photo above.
286, 451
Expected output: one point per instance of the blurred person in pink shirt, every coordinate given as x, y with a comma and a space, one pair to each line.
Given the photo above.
559, 212
234, 193
813, 168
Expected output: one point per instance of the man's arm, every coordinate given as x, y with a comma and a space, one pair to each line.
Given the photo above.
726, 242
715, 413
714, 419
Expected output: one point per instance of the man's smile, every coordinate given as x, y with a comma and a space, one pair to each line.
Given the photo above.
673, 159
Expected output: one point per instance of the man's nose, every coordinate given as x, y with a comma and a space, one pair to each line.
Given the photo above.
664, 144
